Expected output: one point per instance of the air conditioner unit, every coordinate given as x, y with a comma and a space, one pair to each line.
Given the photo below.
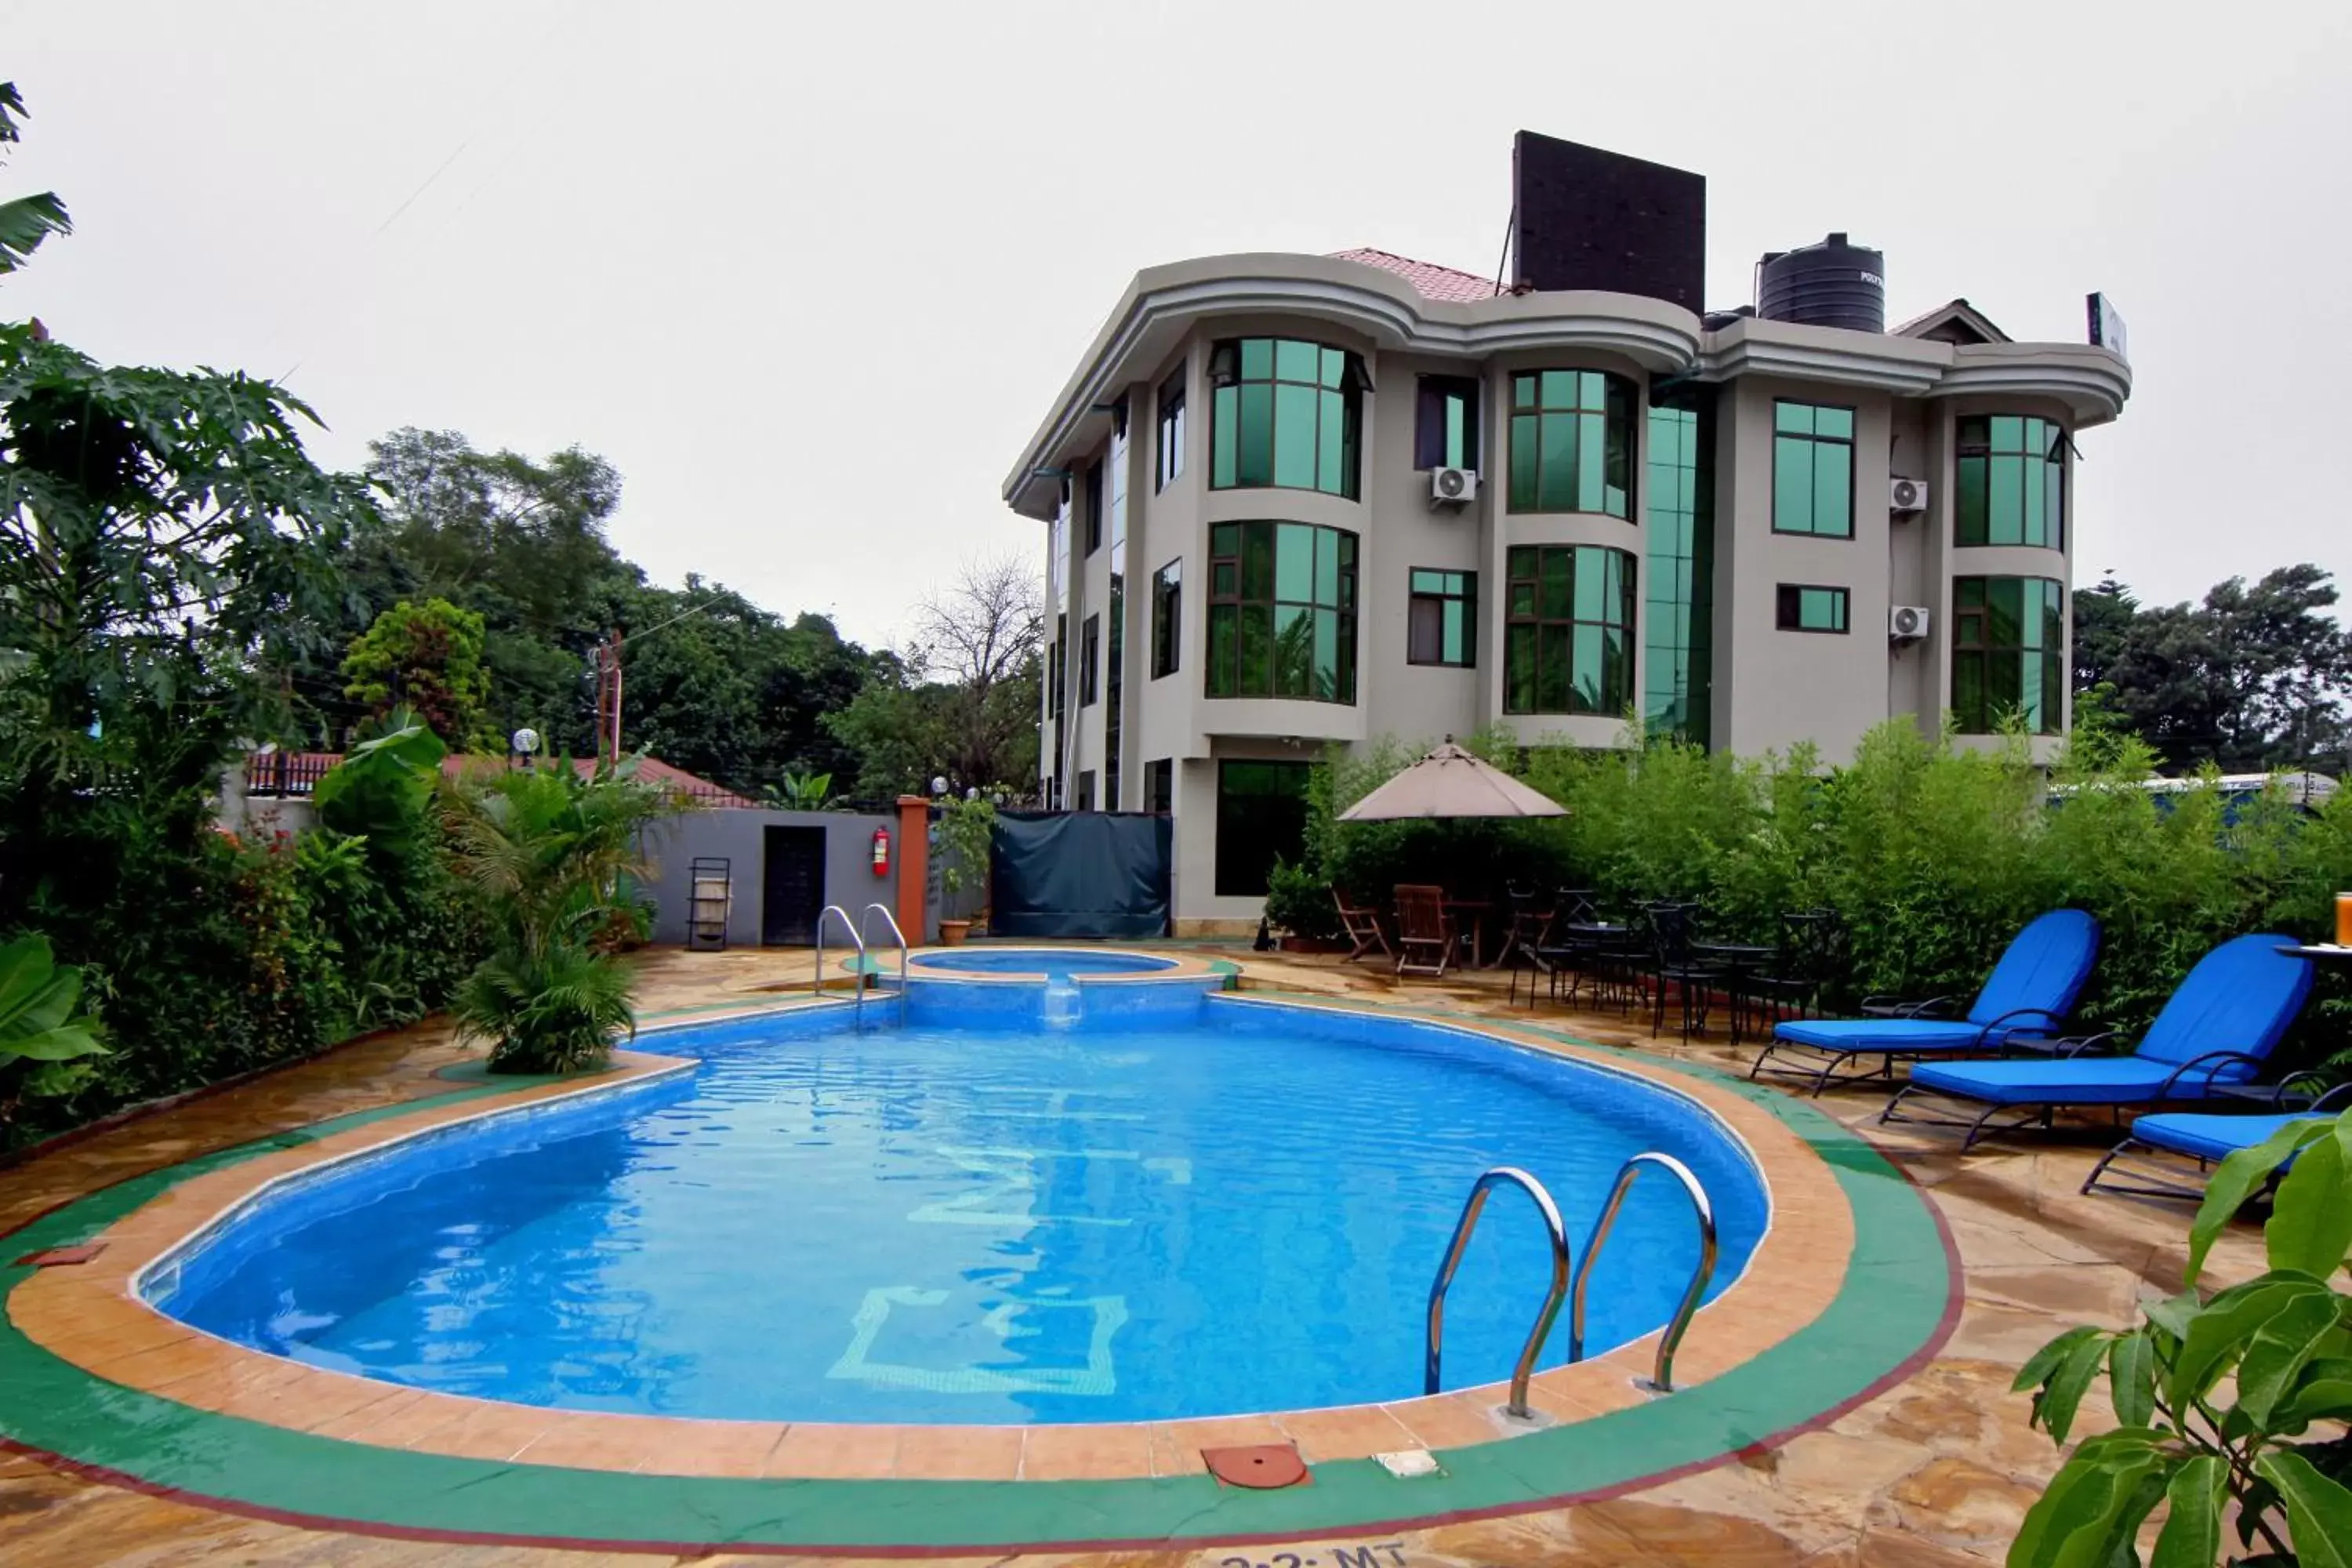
1453, 487
1907, 622
1908, 495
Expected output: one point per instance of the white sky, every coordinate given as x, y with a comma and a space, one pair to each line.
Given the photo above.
811, 277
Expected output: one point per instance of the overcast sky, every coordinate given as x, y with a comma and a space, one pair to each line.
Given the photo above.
810, 277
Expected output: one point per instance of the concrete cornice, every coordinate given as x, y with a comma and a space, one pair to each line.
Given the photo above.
1164, 302
2092, 381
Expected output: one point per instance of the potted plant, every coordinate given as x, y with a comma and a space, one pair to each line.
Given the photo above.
1299, 904
965, 827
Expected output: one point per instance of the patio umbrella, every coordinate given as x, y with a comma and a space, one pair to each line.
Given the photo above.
1451, 783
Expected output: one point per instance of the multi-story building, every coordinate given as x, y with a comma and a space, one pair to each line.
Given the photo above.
1300, 499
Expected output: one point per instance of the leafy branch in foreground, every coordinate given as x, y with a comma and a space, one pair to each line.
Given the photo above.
2281, 1344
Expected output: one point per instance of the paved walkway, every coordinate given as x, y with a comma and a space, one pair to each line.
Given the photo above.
1935, 1471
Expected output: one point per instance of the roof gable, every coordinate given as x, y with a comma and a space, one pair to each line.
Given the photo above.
1958, 322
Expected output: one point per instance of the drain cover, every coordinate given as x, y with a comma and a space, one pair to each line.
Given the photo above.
1262, 1466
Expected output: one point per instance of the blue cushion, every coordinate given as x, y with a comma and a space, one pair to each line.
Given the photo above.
2043, 967
1888, 1034
2076, 1080
2240, 997
2202, 1135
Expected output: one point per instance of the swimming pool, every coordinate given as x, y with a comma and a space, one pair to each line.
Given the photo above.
1052, 962
1177, 1205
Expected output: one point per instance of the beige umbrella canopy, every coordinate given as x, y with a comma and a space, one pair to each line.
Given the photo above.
1451, 783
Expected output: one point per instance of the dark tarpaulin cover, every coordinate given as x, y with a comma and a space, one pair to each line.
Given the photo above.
1079, 874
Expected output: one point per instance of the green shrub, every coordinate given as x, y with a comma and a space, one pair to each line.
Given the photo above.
1299, 902
2230, 1410
552, 856
1931, 850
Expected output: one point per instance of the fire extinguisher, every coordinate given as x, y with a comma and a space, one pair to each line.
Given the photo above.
881, 851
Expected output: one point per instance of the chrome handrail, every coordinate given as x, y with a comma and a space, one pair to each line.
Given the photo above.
858, 992
1461, 1229
1662, 1380
892, 921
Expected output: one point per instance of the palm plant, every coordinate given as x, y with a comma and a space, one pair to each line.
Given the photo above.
550, 853
28, 220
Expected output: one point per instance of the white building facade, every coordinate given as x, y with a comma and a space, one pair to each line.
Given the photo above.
1753, 532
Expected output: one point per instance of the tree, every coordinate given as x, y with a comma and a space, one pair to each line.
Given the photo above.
962, 702
426, 656
518, 541
28, 220
2254, 677
162, 535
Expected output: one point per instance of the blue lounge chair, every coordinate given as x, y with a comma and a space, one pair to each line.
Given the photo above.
2199, 1135
2217, 1030
2028, 995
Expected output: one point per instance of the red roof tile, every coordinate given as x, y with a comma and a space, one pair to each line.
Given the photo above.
1430, 280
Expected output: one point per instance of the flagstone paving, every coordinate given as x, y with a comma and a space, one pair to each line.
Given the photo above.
1936, 1470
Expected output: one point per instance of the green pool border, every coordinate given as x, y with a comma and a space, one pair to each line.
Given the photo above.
1899, 1302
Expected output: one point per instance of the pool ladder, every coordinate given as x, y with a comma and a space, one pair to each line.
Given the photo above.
856, 934
1562, 1284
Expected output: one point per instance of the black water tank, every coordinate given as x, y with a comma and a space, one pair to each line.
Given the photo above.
1833, 284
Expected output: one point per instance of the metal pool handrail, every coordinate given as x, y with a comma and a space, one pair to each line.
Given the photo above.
1662, 1380
1461, 1228
857, 993
891, 922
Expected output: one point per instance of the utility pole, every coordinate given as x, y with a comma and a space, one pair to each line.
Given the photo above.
607, 668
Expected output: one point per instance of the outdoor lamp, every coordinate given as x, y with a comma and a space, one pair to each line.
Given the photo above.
521, 744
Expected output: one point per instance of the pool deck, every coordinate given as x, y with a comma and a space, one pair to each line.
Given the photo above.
1936, 1470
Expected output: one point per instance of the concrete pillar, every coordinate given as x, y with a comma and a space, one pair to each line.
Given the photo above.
914, 865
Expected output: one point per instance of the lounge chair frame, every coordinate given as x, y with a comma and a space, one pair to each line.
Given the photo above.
2043, 1113
1829, 1072
2155, 1180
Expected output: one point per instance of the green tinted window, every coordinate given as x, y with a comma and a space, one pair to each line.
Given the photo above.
1442, 618
1679, 607
1805, 608
2008, 653
1812, 470
1285, 413
1568, 634
1282, 622
1572, 443
2011, 474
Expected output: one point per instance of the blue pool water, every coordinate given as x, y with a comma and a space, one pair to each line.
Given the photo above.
1213, 1206
1053, 963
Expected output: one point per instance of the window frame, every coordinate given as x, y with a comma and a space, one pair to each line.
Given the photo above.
1168, 442
1466, 595
1229, 377
1979, 652
1609, 702
1235, 603
1092, 490
1525, 486
1788, 602
1090, 657
1160, 786
1086, 790
1430, 393
1986, 453
1168, 619
1249, 872
1814, 440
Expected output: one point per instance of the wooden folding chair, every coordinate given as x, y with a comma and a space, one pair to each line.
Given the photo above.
1424, 933
1362, 926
